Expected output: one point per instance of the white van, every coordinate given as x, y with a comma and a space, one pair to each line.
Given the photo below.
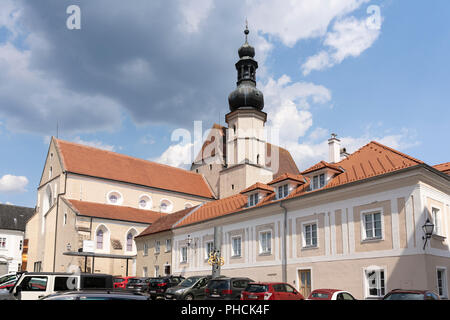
36, 285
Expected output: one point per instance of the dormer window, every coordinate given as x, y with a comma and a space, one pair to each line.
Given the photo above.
318, 181
253, 200
283, 191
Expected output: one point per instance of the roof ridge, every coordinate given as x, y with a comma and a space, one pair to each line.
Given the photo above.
126, 156
397, 152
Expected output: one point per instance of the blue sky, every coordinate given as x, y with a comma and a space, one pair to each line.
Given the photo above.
125, 83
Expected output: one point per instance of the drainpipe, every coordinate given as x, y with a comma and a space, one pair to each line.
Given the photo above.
284, 245
56, 221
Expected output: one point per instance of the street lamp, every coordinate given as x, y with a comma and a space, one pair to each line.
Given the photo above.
428, 228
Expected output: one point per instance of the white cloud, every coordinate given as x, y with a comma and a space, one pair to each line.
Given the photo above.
350, 37
95, 143
178, 155
194, 12
291, 21
13, 184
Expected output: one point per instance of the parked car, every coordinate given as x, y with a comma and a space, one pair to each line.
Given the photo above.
159, 285
121, 282
270, 291
226, 288
138, 284
330, 294
97, 295
8, 280
192, 288
35, 285
399, 294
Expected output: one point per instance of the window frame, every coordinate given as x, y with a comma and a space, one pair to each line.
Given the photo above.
233, 251
437, 221
3, 243
444, 282
284, 189
168, 245
183, 250
253, 199
145, 249
305, 224
372, 212
157, 246
260, 240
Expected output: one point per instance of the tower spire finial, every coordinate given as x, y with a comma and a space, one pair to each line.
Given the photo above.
246, 30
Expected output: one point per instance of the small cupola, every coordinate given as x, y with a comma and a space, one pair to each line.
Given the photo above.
286, 183
257, 193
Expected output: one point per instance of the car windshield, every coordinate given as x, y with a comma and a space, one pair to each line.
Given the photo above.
319, 295
157, 280
255, 288
405, 296
135, 280
118, 280
189, 282
218, 284
7, 278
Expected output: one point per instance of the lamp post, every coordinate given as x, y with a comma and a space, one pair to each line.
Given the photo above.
427, 228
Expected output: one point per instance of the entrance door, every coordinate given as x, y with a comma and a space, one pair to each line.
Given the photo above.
304, 282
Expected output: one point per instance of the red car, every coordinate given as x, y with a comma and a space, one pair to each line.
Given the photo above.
121, 282
270, 291
330, 294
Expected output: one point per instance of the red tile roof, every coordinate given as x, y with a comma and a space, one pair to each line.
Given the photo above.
95, 162
371, 160
106, 211
321, 165
288, 176
258, 186
443, 167
166, 222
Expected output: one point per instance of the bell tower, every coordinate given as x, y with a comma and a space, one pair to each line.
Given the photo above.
245, 141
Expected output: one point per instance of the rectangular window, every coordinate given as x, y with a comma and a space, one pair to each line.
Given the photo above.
34, 284
157, 246
2, 243
20, 245
209, 248
322, 180
372, 226
442, 283
144, 272
265, 242
375, 283
65, 283
283, 191
236, 241
145, 249
156, 271
253, 200
37, 266
315, 182
183, 254
310, 235
436, 216
168, 245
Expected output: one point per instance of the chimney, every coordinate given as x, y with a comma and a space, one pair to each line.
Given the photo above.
334, 147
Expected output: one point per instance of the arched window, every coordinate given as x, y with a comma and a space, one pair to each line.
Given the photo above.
48, 200
166, 206
145, 202
114, 197
100, 239
129, 242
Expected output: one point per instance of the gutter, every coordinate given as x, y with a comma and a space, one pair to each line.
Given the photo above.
284, 245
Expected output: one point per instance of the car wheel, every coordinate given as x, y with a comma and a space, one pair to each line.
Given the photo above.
189, 297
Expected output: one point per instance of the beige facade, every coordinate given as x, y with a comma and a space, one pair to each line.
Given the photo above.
56, 227
350, 254
154, 255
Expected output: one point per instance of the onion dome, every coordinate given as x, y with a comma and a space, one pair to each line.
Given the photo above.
246, 95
